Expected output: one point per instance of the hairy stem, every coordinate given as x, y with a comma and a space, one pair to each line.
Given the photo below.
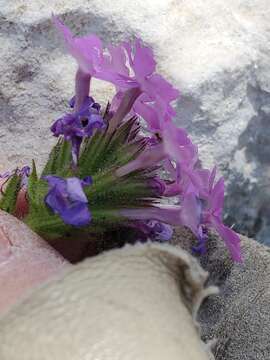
82, 88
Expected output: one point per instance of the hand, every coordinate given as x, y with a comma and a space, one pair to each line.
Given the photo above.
25, 261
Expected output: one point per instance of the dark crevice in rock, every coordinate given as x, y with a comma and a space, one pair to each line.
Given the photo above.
247, 202
256, 138
193, 118
24, 72
6, 111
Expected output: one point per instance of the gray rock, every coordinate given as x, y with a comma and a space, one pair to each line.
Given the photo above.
238, 317
216, 52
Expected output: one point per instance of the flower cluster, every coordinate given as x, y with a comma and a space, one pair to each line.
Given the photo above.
133, 155
140, 90
79, 124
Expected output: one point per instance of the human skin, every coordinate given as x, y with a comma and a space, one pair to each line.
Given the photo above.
26, 261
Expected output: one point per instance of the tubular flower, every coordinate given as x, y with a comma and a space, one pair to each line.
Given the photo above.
206, 212
212, 217
23, 173
127, 66
173, 145
86, 50
67, 199
154, 92
91, 59
136, 165
140, 90
78, 125
152, 229
157, 91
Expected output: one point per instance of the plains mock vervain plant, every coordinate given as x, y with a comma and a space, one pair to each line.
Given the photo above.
114, 168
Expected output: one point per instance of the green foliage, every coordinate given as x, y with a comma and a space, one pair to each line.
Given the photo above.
40, 218
59, 159
9, 198
100, 157
106, 151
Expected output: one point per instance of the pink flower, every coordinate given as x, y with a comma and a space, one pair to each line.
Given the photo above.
198, 213
156, 93
164, 213
125, 66
86, 50
92, 60
213, 217
140, 90
182, 157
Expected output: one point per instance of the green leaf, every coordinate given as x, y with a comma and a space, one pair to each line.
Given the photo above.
32, 189
105, 218
47, 224
8, 201
101, 155
105, 150
95, 149
59, 159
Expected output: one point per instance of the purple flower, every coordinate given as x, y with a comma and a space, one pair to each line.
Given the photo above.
128, 67
24, 173
152, 229
154, 93
201, 213
67, 199
190, 214
202, 240
86, 50
75, 126
182, 156
212, 216
157, 92
164, 213
91, 59
195, 213
140, 90
173, 146
157, 185
151, 156
177, 144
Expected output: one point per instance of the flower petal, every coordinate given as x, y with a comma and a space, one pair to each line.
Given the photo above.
216, 199
77, 215
75, 191
67, 199
191, 212
165, 213
87, 50
231, 239
143, 62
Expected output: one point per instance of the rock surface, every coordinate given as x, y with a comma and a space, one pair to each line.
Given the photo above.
216, 52
238, 317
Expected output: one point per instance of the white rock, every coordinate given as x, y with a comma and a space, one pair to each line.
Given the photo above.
216, 52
